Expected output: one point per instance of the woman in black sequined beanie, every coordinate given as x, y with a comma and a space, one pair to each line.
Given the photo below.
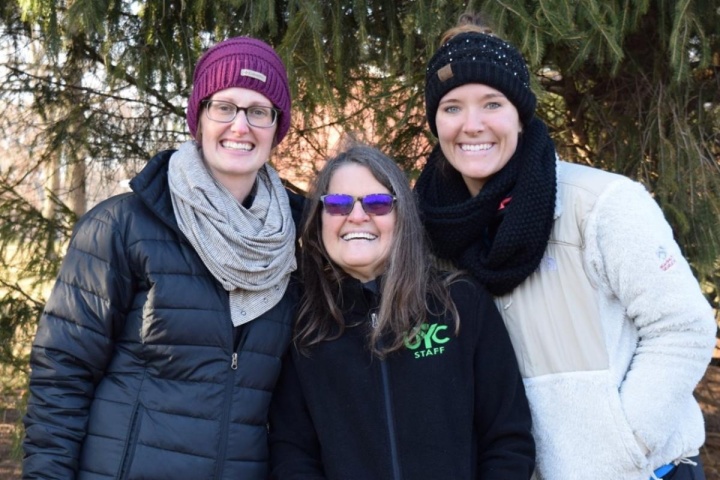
603, 311
492, 152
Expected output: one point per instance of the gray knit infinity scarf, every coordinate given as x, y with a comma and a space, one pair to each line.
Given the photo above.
251, 252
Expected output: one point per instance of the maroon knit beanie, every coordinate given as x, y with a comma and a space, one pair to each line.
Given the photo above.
246, 63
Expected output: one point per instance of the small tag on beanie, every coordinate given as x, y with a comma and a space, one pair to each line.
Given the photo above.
445, 73
252, 73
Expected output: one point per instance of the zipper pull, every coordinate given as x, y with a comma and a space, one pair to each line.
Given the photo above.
374, 320
233, 364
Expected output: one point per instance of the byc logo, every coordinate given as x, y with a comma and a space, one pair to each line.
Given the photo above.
428, 341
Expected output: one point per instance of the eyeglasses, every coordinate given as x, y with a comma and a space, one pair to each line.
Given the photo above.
373, 204
225, 112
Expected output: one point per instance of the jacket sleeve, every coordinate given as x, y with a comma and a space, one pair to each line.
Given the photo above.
506, 448
294, 446
638, 261
73, 346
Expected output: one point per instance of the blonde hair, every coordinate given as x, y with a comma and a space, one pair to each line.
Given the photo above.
468, 22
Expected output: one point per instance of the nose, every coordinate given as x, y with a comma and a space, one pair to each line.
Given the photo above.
240, 123
474, 122
357, 214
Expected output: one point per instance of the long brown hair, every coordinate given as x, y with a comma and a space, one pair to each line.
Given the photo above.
409, 279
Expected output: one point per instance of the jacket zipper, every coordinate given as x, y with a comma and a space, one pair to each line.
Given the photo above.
225, 422
387, 395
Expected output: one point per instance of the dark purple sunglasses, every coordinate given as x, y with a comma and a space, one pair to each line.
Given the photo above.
373, 204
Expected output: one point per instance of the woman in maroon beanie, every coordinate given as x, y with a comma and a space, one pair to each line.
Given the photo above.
160, 344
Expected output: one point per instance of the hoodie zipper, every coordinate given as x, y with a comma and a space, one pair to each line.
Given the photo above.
387, 396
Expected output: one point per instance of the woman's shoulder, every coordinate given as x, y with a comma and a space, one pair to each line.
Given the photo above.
111, 211
464, 288
583, 189
588, 179
126, 218
475, 306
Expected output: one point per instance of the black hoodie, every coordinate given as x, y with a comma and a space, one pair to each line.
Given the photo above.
443, 407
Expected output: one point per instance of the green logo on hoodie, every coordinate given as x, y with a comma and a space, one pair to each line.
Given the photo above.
429, 340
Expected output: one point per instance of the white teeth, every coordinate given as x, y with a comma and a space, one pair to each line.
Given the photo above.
237, 145
359, 235
476, 148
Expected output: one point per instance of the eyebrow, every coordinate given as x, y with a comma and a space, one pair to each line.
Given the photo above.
253, 103
487, 96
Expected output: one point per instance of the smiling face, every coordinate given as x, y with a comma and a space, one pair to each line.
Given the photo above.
358, 243
478, 130
235, 151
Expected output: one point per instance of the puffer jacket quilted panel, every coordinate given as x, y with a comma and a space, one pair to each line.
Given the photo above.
135, 354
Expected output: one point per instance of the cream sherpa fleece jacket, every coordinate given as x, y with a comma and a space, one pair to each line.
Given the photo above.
612, 334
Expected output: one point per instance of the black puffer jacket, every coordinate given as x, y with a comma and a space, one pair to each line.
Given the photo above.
134, 372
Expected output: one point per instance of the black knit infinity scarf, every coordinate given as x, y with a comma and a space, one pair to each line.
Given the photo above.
465, 229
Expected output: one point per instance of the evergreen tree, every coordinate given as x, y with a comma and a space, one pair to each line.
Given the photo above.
97, 87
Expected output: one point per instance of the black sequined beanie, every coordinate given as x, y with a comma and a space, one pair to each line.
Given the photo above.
474, 57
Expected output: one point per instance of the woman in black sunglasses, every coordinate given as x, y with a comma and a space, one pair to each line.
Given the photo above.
611, 329
397, 371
